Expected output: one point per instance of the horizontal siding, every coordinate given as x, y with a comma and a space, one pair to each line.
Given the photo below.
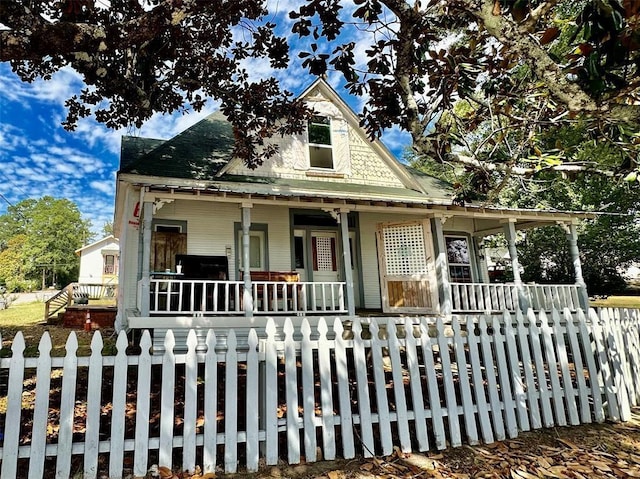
277, 219
210, 229
91, 264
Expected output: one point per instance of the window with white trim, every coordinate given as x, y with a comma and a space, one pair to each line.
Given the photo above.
320, 147
110, 264
459, 259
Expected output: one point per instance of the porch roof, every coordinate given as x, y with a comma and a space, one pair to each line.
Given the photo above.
306, 194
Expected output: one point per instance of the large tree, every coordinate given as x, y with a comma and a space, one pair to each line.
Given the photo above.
609, 243
517, 66
42, 236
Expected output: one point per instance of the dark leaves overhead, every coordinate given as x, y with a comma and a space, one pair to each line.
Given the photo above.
473, 81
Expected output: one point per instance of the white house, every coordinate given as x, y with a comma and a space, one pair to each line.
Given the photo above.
333, 224
99, 261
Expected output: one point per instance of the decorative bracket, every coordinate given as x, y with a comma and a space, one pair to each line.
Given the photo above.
443, 218
159, 203
335, 214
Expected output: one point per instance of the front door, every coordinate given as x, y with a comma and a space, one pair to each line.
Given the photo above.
324, 262
407, 268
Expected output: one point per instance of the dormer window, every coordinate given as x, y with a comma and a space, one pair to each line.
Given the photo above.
320, 148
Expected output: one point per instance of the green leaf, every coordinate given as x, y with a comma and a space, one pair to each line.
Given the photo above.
631, 177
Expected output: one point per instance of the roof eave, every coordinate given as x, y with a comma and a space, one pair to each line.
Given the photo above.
251, 188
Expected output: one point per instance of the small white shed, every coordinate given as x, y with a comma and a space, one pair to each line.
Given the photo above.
99, 261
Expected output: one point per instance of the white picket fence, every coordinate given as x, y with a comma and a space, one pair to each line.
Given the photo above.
357, 389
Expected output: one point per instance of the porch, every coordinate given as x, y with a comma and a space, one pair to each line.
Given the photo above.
318, 258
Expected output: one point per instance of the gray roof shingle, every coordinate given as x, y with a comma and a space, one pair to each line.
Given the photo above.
199, 152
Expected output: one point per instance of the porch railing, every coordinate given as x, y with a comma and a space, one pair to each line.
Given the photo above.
481, 297
176, 296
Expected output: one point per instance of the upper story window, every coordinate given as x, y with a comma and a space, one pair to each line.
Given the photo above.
320, 148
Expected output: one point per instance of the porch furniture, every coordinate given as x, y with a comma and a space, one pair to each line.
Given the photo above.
272, 286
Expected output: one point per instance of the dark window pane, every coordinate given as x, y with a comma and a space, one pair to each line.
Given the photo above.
168, 229
320, 130
298, 245
320, 157
460, 274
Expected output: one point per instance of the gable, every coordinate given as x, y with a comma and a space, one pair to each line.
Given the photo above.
107, 243
355, 158
204, 151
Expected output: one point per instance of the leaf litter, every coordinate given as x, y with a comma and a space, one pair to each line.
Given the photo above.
592, 451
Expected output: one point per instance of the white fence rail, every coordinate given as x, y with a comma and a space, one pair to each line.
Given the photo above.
417, 385
171, 296
493, 297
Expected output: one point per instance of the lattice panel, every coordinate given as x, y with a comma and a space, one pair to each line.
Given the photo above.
404, 250
324, 252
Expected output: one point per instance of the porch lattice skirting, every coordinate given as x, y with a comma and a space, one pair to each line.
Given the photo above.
358, 389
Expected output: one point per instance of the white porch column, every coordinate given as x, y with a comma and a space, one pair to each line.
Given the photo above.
247, 296
572, 236
346, 256
510, 233
442, 271
147, 217
483, 270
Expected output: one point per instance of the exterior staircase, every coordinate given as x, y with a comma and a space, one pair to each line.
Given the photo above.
79, 293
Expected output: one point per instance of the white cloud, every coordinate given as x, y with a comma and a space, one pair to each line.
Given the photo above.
106, 186
11, 137
62, 85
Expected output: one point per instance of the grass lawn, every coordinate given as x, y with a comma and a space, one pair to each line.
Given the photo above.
21, 316
29, 318
617, 302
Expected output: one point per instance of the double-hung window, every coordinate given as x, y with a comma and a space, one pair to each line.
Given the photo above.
109, 264
257, 251
320, 147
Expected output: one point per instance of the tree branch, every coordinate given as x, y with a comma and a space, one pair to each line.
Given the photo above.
529, 171
519, 42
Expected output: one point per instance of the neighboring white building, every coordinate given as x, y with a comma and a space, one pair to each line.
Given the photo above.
99, 261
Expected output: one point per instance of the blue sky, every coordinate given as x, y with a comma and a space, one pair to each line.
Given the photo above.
38, 157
